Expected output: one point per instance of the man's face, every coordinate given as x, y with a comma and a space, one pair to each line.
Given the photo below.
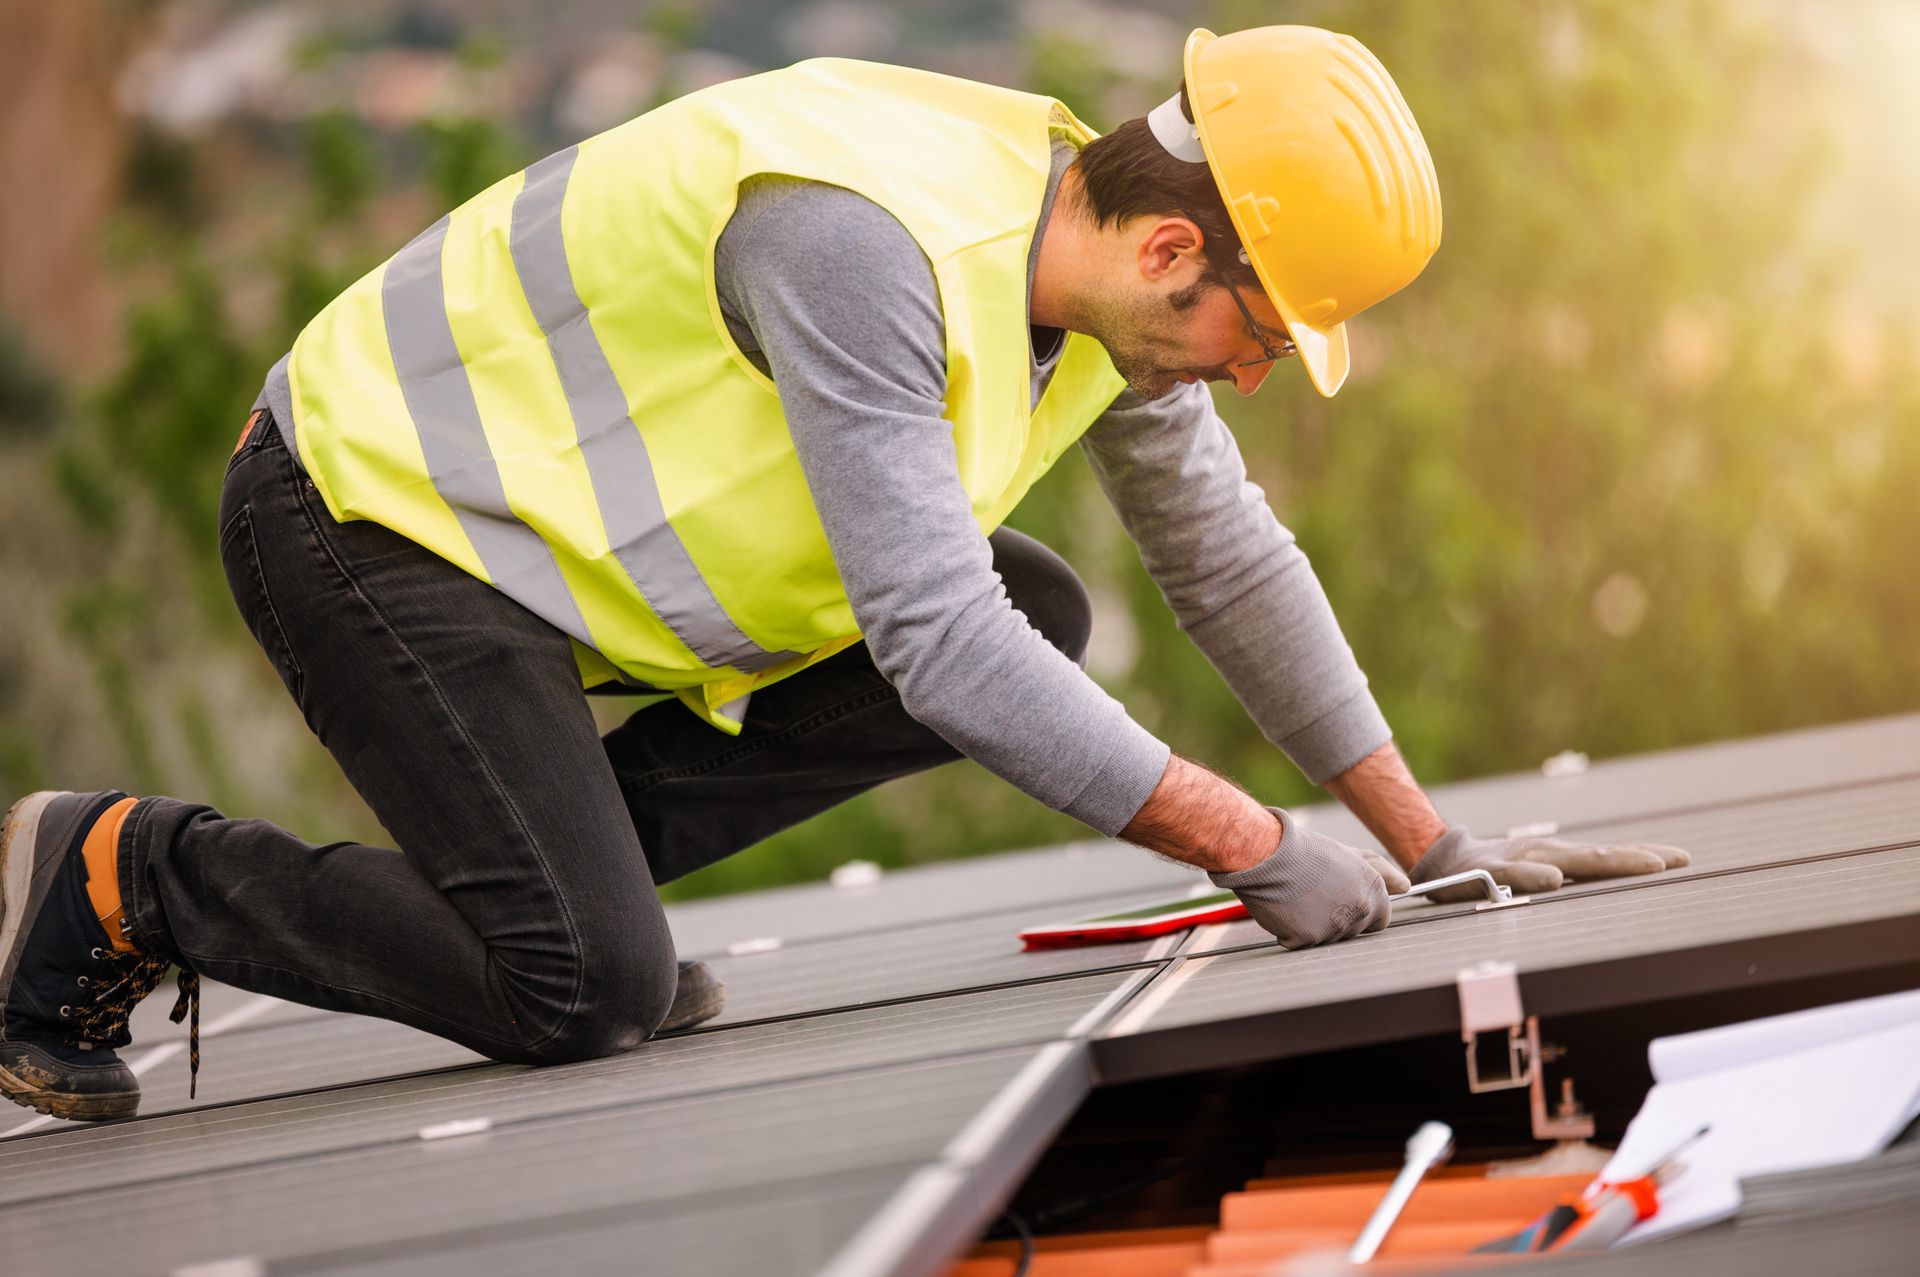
1161, 338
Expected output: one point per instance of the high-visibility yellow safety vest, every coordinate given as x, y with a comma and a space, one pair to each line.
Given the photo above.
540, 387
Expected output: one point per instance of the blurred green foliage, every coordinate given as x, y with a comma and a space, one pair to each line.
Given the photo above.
465, 156
20, 768
1620, 472
1073, 69
677, 25
342, 165
164, 183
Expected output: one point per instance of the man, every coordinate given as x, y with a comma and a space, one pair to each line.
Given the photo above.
730, 402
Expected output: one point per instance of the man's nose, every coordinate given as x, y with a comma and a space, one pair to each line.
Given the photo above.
1247, 380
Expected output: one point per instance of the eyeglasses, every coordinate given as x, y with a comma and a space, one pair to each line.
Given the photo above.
1267, 348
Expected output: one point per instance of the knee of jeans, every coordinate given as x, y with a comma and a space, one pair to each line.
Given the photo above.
619, 1009
1047, 591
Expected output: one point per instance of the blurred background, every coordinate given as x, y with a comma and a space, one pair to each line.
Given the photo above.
1634, 464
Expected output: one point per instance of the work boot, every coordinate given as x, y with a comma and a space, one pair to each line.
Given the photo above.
68, 989
697, 1000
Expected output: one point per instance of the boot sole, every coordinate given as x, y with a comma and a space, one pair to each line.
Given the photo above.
72, 1108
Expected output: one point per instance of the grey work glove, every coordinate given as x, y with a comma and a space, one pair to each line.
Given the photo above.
1533, 865
1393, 875
1311, 890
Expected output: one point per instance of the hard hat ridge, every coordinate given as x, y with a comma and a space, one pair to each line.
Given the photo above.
1388, 143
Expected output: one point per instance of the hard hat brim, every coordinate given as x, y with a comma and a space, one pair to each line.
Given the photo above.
1322, 350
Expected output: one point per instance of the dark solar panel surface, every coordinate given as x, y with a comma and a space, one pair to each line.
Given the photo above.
935, 893
1576, 931
881, 1078
917, 960
717, 1235
272, 1183
311, 1054
1760, 832
912, 962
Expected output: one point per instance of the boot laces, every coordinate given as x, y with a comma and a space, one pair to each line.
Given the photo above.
135, 975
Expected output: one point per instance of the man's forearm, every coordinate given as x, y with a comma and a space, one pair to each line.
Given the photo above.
1205, 820
1390, 803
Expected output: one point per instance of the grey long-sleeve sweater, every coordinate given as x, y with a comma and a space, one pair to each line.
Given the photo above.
835, 301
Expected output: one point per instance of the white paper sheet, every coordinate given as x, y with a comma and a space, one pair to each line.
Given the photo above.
1817, 1088
1690, 1054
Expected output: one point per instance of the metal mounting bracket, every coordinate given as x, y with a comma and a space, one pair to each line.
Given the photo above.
1490, 1002
1568, 1121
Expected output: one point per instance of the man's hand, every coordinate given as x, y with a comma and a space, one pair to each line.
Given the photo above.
1533, 865
1308, 890
1311, 889
1391, 874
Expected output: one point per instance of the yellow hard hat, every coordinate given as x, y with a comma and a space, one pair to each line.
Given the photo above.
1323, 171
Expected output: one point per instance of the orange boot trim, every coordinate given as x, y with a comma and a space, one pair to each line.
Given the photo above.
102, 852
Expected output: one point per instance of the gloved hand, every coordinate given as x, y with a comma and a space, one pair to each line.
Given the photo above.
1533, 865
1311, 890
1393, 875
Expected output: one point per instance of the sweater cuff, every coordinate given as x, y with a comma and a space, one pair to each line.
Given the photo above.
1339, 738
1125, 781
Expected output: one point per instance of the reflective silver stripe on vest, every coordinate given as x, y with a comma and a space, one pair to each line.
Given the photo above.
616, 455
440, 401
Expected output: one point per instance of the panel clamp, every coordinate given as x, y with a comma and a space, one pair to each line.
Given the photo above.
1490, 1002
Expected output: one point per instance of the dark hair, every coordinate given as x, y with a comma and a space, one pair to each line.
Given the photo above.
1127, 173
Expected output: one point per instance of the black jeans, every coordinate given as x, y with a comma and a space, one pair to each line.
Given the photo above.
519, 917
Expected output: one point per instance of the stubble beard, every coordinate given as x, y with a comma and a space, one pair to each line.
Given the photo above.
1143, 376
1132, 327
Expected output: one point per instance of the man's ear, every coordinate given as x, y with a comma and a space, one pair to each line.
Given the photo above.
1167, 243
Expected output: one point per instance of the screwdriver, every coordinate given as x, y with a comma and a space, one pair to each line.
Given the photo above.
1430, 1146
1616, 1207
1600, 1214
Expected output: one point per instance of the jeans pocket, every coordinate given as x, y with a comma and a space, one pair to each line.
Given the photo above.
240, 555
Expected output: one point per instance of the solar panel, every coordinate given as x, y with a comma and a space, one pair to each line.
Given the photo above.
1685, 936
911, 962
882, 1078
980, 887
1762, 831
721, 1235
294, 1178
